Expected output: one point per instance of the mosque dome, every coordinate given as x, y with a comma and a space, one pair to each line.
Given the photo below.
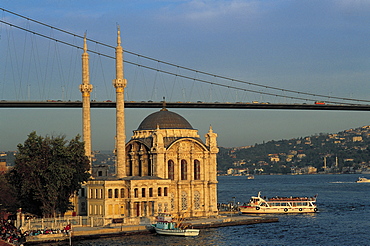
164, 119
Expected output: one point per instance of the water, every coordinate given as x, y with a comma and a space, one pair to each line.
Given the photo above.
343, 217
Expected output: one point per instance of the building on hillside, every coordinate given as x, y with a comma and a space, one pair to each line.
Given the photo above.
311, 170
274, 157
357, 139
3, 167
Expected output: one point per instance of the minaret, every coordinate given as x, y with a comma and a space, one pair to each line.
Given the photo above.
120, 83
86, 89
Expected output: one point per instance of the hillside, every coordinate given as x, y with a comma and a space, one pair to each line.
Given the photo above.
343, 152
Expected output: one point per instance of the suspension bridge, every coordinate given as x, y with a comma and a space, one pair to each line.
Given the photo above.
40, 69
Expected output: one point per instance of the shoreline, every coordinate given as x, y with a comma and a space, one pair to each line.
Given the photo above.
84, 233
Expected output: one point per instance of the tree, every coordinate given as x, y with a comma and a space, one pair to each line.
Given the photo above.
8, 201
47, 172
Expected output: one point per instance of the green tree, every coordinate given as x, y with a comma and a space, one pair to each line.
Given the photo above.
47, 172
8, 201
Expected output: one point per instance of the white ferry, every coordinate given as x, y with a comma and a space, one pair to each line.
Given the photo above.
166, 225
259, 205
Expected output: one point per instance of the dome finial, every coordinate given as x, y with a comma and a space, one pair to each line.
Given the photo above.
210, 129
164, 104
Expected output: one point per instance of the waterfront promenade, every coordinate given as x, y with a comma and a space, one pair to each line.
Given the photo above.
81, 233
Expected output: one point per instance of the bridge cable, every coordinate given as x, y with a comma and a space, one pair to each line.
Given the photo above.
177, 66
174, 74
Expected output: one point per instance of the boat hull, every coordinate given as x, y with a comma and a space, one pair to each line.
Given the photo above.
177, 232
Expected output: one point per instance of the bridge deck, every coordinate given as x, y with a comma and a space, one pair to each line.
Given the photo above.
216, 105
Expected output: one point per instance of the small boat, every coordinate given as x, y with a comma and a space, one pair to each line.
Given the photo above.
363, 180
259, 205
166, 225
250, 177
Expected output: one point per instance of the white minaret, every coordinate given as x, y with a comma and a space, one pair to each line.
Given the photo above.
120, 83
86, 89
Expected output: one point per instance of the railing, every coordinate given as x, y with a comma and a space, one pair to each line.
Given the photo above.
55, 224
60, 223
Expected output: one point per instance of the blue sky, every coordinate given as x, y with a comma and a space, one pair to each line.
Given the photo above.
311, 46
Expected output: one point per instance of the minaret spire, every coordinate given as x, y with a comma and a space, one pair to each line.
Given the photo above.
120, 83
118, 35
86, 89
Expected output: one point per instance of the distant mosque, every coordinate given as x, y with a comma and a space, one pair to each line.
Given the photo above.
165, 167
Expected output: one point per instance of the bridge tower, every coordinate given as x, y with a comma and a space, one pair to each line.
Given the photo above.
86, 89
120, 83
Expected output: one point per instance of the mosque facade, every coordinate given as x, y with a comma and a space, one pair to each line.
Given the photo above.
164, 167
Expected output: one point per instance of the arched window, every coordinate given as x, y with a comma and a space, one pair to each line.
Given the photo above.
136, 192
115, 193
159, 191
184, 170
171, 170
150, 167
142, 192
165, 190
172, 196
196, 170
122, 193
128, 160
196, 200
184, 201
140, 167
130, 168
150, 192
110, 193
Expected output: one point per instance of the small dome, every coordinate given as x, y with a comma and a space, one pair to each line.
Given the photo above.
164, 119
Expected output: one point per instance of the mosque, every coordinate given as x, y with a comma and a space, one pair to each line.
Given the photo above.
164, 167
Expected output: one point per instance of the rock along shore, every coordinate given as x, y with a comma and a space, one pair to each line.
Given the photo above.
82, 233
